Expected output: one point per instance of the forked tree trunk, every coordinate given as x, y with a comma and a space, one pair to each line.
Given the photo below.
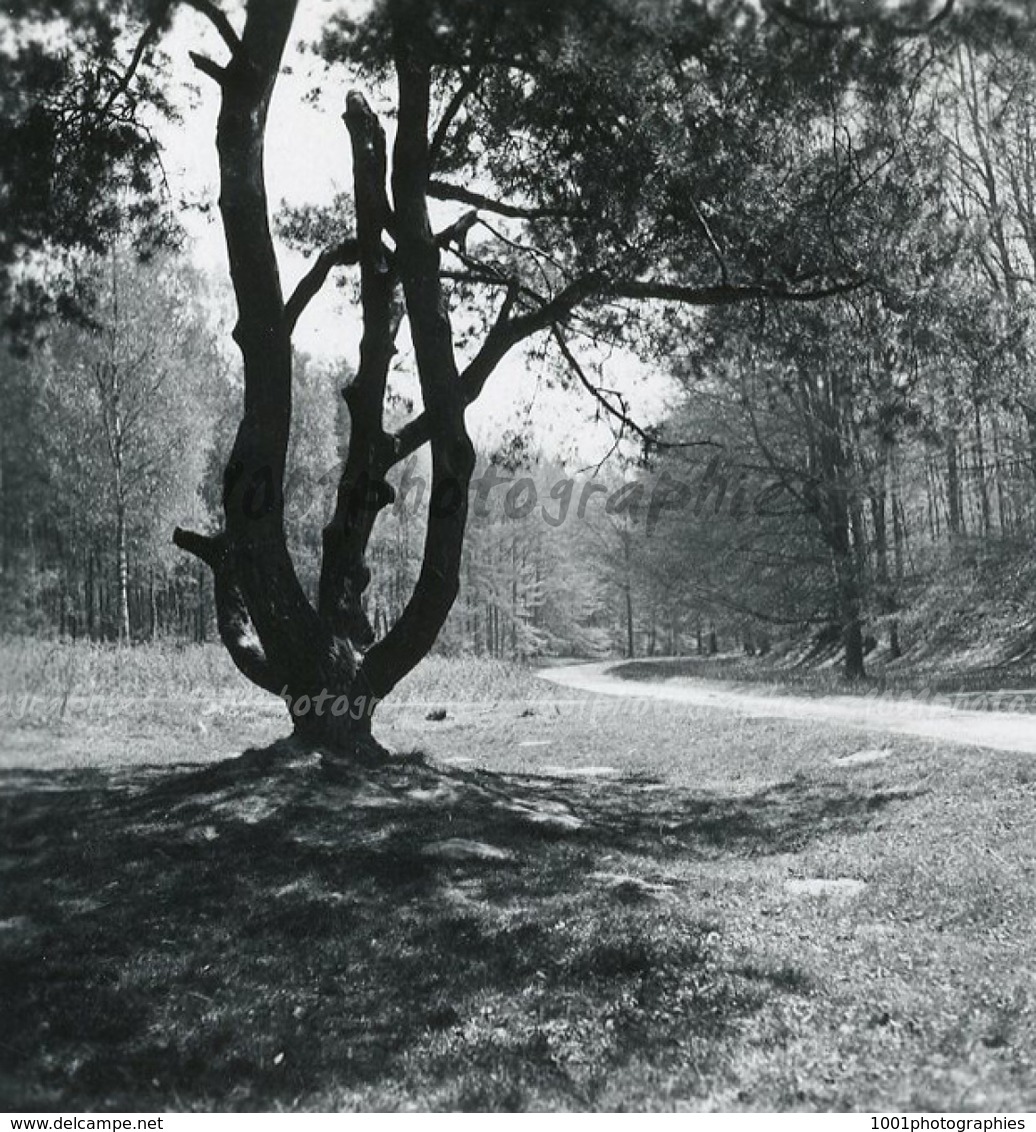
323, 661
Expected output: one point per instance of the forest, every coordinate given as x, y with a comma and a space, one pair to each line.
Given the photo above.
850, 420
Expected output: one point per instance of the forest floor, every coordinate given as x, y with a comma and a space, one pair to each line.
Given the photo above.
576, 902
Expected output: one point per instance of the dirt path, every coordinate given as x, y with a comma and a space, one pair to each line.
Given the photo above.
998, 730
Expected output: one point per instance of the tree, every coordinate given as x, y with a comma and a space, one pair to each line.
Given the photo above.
78, 161
858, 406
118, 417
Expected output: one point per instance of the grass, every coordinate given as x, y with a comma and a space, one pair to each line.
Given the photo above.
154, 703
574, 904
50, 673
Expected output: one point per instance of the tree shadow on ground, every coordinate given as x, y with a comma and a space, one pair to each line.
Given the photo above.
270, 931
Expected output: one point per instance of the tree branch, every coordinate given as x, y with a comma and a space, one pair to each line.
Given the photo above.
362, 490
209, 548
236, 629
457, 232
726, 294
453, 456
442, 190
207, 67
453, 108
505, 334
717, 251
347, 252
470, 278
822, 23
143, 43
264, 595
526, 249
218, 18
621, 411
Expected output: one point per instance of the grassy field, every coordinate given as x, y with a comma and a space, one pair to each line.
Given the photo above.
572, 904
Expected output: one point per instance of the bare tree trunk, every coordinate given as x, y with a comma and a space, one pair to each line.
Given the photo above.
88, 585
848, 588
152, 604
514, 596
5, 507
980, 472
838, 515
898, 519
881, 546
631, 647
932, 501
203, 613
953, 490
1029, 413
627, 590
1002, 512
63, 613
122, 568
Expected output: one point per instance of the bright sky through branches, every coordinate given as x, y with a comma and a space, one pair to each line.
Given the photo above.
307, 161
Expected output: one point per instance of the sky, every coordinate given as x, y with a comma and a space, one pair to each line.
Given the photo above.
308, 161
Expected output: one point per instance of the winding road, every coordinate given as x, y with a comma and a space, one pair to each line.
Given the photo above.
1013, 730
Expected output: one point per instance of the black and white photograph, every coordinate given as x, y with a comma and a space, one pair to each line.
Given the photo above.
518, 560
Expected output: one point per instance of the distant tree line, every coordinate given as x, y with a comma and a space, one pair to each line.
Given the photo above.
113, 428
